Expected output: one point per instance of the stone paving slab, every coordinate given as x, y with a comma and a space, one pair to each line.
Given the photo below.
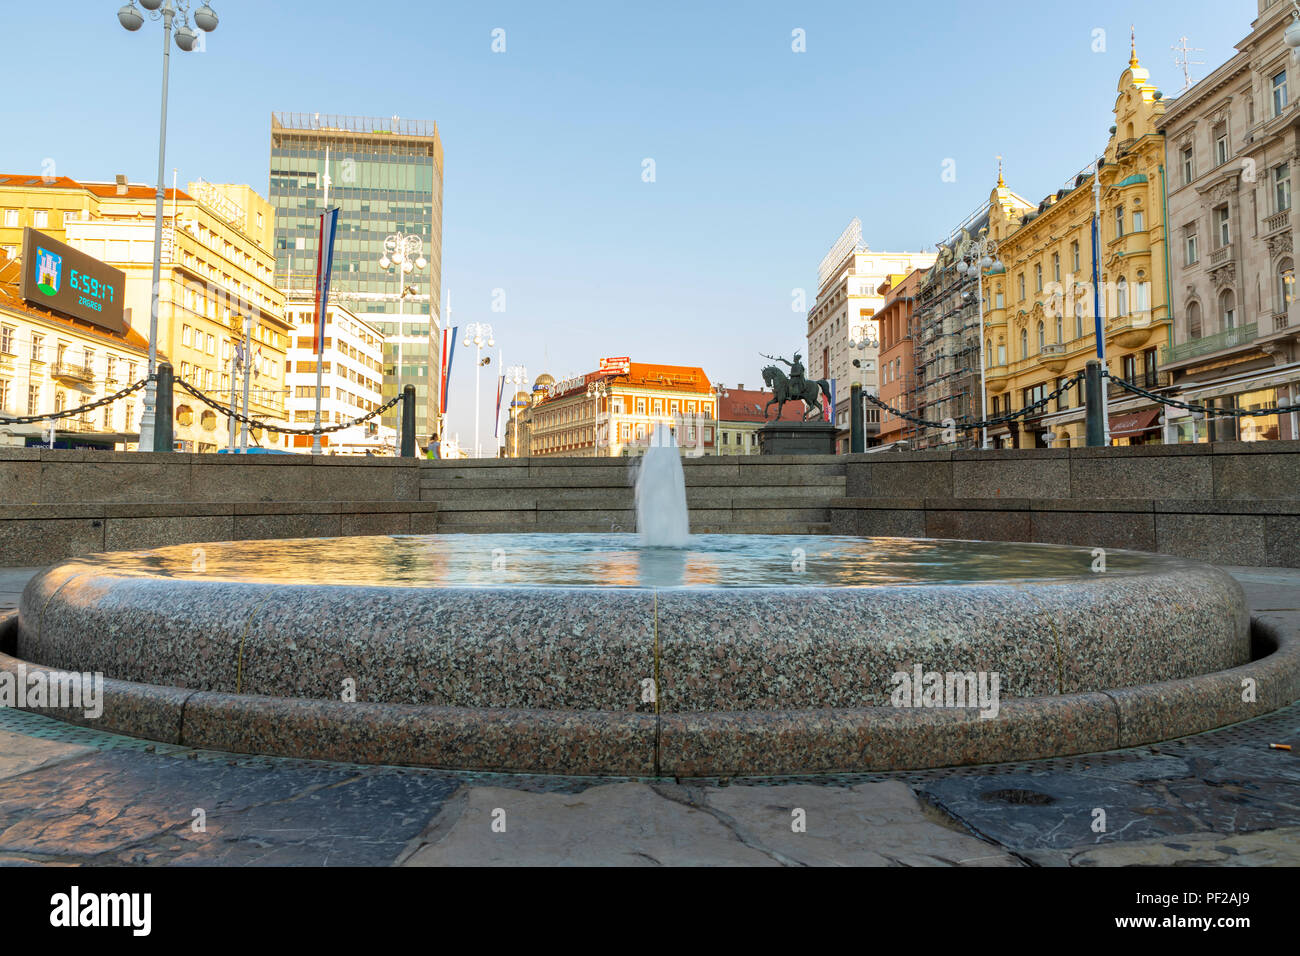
20, 754
1265, 848
131, 807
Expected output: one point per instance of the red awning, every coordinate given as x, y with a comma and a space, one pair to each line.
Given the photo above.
1133, 423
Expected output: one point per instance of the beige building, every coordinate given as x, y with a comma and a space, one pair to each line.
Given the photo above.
613, 413
1233, 144
217, 269
848, 298
50, 362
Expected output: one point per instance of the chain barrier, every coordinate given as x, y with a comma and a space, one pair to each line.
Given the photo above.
80, 409
277, 429
1027, 412
1202, 409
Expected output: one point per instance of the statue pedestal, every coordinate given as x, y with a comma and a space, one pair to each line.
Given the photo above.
797, 438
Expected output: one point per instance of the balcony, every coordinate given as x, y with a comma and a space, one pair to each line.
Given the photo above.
1280, 322
1277, 222
1227, 339
1221, 255
68, 372
1129, 331
1054, 356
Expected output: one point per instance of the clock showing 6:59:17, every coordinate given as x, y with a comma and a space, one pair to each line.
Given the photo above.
89, 285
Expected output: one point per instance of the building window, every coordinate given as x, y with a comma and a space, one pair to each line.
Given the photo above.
41, 219
988, 354
1038, 278
1002, 353
1279, 93
1220, 144
11, 218
33, 399
1062, 399
1285, 284
1228, 309
1078, 318
7, 343
1020, 281
1192, 253
187, 336
1282, 187
1193, 320
1222, 232
1042, 336
1119, 222
1075, 256
1121, 296
1189, 168
1024, 343
1060, 329
1139, 221
1056, 266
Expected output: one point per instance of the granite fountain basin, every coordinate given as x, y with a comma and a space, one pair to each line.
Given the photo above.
568, 652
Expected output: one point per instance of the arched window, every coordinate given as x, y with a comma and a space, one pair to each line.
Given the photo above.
1285, 284
1042, 336
1228, 309
988, 353
1024, 343
1194, 320
1060, 329
1121, 296
1078, 318
60, 400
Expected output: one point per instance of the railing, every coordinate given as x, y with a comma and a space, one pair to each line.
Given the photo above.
1145, 380
1229, 338
1280, 321
1277, 221
80, 373
1221, 255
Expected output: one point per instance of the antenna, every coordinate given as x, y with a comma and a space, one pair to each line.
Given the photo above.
1183, 59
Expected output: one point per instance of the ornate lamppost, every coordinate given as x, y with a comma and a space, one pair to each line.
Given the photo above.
403, 254
478, 334
975, 256
516, 376
130, 18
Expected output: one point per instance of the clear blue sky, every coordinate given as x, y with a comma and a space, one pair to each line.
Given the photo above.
762, 155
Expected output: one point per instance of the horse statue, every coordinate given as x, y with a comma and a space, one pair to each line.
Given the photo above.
782, 392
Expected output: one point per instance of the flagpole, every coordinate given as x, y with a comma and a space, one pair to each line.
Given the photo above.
1099, 323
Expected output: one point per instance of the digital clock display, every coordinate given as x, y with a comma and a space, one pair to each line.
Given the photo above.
62, 279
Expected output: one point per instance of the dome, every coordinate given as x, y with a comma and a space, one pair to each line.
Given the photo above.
522, 397
543, 381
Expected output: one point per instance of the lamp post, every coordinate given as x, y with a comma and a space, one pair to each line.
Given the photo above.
977, 255
863, 337
478, 334
130, 18
403, 254
516, 377
598, 390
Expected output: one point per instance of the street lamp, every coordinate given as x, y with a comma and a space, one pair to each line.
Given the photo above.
598, 390
516, 376
206, 20
478, 334
975, 256
403, 254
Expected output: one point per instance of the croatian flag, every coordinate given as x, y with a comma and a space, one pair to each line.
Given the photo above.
501, 384
444, 371
324, 263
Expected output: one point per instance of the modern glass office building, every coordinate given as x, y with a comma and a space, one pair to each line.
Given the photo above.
386, 177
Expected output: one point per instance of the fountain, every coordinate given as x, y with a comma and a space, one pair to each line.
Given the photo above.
648, 654
661, 516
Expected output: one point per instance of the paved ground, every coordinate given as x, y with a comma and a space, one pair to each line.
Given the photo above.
74, 796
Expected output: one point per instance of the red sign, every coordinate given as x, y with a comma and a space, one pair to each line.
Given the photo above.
622, 365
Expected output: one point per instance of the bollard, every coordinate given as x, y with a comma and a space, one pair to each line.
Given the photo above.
1096, 427
408, 421
857, 430
162, 412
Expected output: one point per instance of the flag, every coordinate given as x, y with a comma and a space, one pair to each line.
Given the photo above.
830, 409
444, 369
1096, 277
501, 384
324, 264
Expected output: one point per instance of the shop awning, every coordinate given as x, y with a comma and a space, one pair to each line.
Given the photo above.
1122, 426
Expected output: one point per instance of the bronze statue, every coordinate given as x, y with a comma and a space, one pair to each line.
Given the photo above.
795, 387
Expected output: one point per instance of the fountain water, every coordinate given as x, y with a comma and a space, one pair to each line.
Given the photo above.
661, 515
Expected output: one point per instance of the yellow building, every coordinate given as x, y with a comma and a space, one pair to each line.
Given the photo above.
42, 202
1039, 327
218, 268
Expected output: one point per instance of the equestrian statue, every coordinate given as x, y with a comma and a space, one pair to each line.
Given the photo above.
795, 387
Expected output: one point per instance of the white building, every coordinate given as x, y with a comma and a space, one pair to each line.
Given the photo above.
848, 298
351, 379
